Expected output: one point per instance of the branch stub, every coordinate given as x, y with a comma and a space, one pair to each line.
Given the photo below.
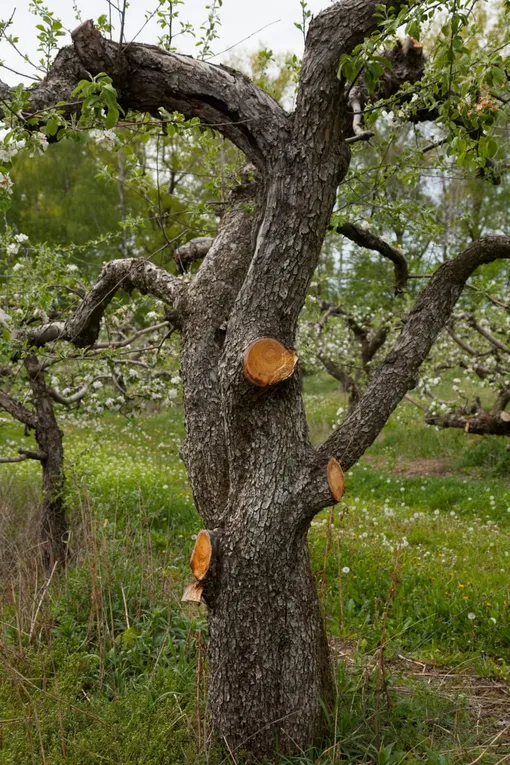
193, 593
201, 557
267, 362
336, 479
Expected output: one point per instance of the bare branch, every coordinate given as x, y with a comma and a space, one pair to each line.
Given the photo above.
195, 249
462, 343
344, 378
485, 333
82, 328
68, 400
128, 340
17, 410
479, 423
365, 238
30, 454
24, 454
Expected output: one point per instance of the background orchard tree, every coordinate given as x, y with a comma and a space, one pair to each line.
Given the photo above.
131, 364
256, 479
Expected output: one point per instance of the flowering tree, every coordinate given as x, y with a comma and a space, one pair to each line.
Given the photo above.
256, 479
128, 365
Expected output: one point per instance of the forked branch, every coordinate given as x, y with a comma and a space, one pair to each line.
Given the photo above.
82, 328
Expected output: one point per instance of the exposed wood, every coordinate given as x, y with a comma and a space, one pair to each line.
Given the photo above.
336, 479
267, 362
505, 416
202, 555
193, 593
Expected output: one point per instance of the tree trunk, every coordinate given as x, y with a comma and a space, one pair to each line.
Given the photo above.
256, 479
53, 524
269, 668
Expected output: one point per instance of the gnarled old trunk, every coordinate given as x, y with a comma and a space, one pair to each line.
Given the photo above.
269, 667
256, 479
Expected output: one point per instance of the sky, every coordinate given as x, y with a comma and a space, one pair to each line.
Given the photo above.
263, 22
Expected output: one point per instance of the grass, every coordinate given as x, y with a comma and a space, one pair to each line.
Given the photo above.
104, 664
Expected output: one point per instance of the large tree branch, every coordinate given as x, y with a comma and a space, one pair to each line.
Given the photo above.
65, 73
82, 328
335, 30
148, 78
397, 374
191, 251
481, 423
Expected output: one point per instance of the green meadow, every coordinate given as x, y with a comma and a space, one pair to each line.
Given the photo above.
103, 664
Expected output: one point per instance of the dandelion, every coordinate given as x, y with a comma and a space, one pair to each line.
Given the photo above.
436, 512
471, 616
346, 570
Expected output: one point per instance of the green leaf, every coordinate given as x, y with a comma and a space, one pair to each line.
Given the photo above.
51, 126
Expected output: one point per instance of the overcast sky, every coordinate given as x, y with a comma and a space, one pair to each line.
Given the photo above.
240, 19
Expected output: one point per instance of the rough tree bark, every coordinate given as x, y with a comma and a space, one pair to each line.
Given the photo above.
52, 533
49, 437
256, 479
